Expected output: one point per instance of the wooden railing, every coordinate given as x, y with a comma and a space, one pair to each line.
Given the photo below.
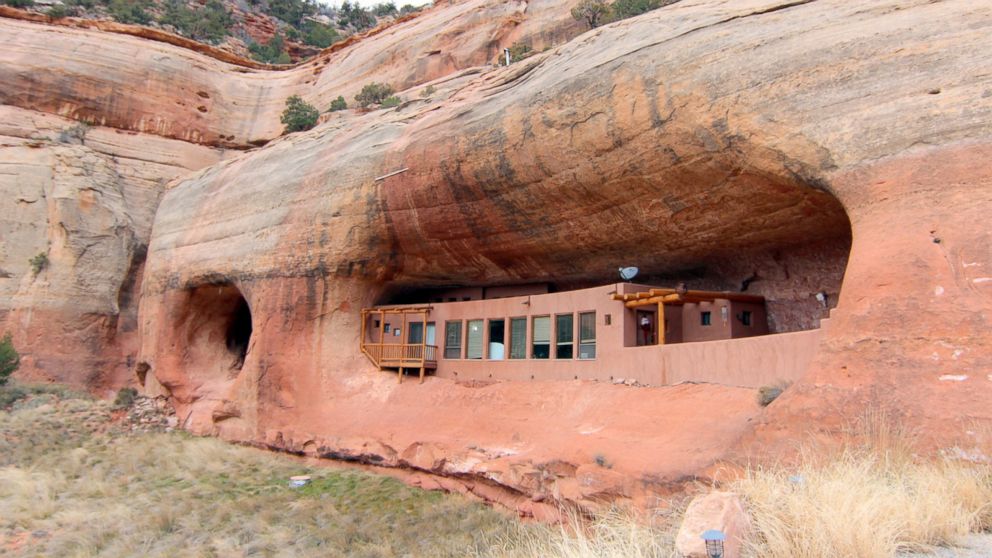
400, 354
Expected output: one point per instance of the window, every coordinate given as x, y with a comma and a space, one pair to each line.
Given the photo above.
607, 319
415, 333
474, 341
542, 337
453, 339
705, 318
497, 339
518, 337
564, 335
587, 335
746, 317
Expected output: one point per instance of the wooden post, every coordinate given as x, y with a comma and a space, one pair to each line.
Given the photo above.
399, 376
423, 346
361, 340
661, 323
382, 335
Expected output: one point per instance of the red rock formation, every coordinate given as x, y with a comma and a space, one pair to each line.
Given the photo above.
758, 138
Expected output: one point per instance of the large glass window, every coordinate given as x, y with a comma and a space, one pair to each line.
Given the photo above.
518, 337
415, 333
542, 337
564, 335
497, 339
587, 335
474, 341
453, 339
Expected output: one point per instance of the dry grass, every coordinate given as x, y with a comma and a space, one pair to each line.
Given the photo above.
71, 486
872, 500
616, 533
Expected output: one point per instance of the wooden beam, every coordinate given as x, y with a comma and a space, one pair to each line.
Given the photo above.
661, 323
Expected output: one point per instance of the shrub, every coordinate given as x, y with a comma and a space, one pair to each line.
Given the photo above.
519, 51
125, 398
428, 91
57, 11
10, 394
9, 359
338, 104
38, 262
272, 52
385, 9
593, 12
129, 11
355, 16
74, 134
320, 35
390, 102
299, 115
19, 3
211, 23
622, 9
291, 11
373, 94
409, 9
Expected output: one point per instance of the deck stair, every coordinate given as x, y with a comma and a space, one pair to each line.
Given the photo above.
402, 354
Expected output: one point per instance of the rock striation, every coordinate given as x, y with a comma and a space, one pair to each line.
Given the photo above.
806, 147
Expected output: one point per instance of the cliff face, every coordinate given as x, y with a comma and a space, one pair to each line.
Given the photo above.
805, 147
708, 134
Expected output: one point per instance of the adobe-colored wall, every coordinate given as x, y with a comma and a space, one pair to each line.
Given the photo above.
748, 362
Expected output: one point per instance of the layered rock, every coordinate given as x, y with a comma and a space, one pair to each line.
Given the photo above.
706, 134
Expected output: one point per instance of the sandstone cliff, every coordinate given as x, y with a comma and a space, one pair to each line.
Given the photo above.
832, 147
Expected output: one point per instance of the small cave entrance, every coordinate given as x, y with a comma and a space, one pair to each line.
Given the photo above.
218, 324
239, 333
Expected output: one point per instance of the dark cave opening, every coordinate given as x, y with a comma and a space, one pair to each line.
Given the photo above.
239, 332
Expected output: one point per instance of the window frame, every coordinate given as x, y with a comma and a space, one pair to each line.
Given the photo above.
461, 336
510, 343
533, 339
586, 342
482, 341
705, 318
570, 344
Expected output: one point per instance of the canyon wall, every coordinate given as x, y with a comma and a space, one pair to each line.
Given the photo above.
808, 147
714, 134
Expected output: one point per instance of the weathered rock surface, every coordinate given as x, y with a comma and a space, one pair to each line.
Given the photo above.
84, 198
719, 511
776, 141
697, 135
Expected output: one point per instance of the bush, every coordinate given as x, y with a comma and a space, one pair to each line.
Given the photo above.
291, 11
373, 94
593, 12
38, 262
519, 51
320, 35
57, 11
211, 23
385, 9
18, 3
125, 398
129, 11
9, 359
390, 102
74, 134
355, 16
299, 115
409, 9
272, 52
622, 9
428, 91
767, 394
338, 104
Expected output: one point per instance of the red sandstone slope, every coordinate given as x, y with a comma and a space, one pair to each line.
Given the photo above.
74, 321
710, 134
728, 136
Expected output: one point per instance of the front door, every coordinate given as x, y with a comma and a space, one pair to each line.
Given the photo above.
646, 328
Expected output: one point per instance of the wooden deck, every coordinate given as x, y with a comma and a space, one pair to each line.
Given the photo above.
418, 356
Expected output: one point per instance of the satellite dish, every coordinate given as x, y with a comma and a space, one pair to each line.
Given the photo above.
628, 273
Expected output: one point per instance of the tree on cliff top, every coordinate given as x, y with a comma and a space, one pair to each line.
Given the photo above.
593, 12
9, 359
299, 115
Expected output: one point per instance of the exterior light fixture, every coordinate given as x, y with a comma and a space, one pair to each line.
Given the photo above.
714, 543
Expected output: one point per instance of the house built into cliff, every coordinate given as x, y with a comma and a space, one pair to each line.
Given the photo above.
640, 333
